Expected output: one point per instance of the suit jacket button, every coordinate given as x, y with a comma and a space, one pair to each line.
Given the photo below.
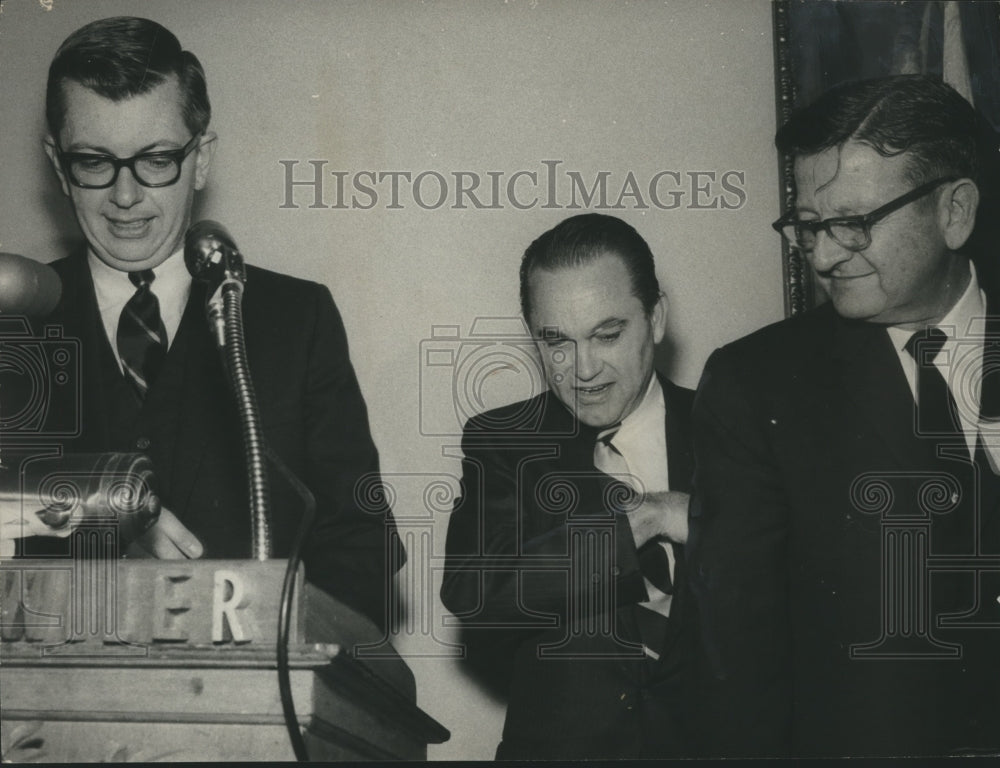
143, 443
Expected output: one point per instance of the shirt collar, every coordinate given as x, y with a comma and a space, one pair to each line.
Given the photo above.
960, 320
113, 286
649, 411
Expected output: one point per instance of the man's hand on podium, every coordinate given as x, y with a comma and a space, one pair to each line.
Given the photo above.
168, 539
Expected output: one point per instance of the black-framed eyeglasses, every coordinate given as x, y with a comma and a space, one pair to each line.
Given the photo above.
150, 169
851, 232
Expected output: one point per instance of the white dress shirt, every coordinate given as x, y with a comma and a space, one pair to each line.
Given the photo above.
643, 445
960, 362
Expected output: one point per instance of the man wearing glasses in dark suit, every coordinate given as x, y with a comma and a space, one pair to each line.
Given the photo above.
844, 531
129, 139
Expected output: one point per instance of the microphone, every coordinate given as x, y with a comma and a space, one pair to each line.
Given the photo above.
212, 258
211, 255
27, 287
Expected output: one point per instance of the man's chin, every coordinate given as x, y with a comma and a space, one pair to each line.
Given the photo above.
851, 309
594, 419
130, 260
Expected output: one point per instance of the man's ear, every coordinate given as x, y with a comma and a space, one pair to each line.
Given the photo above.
203, 158
50, 149
957, 212
659, 318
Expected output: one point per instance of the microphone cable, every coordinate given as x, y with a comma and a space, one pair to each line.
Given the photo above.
212, 258
256, 448
288, 585
285, 606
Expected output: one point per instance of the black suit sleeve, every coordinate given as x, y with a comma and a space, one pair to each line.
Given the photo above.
508, 550
352, 550
737, 563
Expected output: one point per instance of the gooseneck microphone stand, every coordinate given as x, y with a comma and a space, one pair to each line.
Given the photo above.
212, 257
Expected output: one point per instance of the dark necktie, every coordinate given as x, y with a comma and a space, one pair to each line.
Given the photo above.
653, 560
937, 414
142, 339
938, 421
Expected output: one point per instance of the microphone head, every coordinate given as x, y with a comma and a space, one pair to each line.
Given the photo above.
210, 252
27, 287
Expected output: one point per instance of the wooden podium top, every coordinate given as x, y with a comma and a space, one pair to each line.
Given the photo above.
141, 617
165, 603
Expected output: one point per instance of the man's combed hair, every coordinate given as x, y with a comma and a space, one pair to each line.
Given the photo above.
123, 57
914, 114
581, 239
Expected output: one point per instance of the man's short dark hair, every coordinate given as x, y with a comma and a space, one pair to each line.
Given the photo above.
581, 239
122, 57
914, 114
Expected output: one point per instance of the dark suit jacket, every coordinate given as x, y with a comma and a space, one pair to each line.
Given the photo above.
313, 416
816, 503
562, 637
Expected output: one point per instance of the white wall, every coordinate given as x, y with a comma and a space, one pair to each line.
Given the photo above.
497, 86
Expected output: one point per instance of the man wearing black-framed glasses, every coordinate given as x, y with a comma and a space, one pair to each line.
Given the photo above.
128, 114
851, 232
845, 528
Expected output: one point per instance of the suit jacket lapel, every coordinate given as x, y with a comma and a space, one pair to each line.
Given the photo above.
680, 454
80, 319
869, 381
680, 467
989, 415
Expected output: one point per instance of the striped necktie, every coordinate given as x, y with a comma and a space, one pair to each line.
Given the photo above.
653, 560
142, 339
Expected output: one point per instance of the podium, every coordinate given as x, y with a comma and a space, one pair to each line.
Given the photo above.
145, 660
